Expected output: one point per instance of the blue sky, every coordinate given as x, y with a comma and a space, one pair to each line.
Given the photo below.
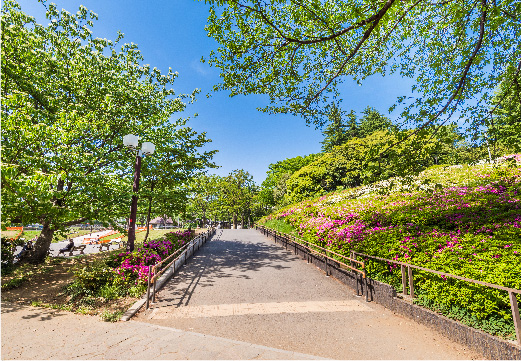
170, 33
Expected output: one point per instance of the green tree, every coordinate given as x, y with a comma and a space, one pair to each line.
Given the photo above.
237, 195
204, 196
165, 179
300, 52
504, 129
67, 100
373, 121
273, 188
356, 162
337, 132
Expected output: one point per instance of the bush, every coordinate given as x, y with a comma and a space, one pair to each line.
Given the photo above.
93, 277
124, 273
469, 225
179, 238
8, 249
108, 316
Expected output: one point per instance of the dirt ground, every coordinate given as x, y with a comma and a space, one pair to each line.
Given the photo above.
46, 288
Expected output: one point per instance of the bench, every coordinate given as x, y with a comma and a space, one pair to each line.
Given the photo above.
114, 242
75, 248
107, 245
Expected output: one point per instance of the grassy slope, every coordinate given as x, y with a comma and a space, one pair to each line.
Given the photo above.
470, 225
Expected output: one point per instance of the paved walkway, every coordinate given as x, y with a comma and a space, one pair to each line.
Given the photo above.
241, 286
30, 333
240, 297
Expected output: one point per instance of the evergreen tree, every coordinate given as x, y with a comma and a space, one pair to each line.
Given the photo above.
373, 121
337, 133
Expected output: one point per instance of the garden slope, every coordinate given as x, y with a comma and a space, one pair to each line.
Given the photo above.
463, 220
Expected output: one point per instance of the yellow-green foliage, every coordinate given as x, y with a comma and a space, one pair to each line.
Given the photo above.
466, 221
356, 162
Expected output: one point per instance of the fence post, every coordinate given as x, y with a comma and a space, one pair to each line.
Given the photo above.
148, 286
404, 280
154, 287
325, 258
411, 282
515, 315
351, 263
366, 288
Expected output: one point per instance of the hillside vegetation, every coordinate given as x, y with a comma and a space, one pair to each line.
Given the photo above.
464, 220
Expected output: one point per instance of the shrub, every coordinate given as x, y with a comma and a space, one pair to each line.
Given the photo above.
469, 225
108, 316
179, 238
8, 248
124, 273
93, 277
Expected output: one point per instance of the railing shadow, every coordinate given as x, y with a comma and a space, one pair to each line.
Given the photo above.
221, 258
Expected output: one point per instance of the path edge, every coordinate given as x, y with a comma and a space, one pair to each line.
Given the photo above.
491, 347
131, 312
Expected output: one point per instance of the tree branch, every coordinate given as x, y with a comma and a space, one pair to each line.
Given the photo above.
459, 87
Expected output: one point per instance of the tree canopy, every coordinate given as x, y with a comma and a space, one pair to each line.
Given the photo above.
356, 162
299, 52
237, 195
504, 128
339, 131
68, 98
273, 188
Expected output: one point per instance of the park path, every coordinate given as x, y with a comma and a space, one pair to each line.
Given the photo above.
240, 286
78, 241
33, 333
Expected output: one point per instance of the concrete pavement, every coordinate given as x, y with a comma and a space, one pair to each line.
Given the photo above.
31, 333
239, 297
243, 287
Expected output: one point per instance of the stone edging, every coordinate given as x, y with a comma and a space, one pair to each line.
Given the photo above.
160, 282
489, 346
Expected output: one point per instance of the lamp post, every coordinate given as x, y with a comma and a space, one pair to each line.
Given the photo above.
132, 141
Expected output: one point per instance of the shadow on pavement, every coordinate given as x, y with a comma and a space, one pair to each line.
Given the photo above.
43, 314
220, 259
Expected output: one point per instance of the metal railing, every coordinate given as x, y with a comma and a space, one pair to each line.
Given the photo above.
155, 271
409, 274
315, 249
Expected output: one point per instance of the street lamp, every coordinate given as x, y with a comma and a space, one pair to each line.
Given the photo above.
132, 141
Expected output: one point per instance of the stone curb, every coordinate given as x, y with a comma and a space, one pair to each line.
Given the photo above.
160, 283
491, 347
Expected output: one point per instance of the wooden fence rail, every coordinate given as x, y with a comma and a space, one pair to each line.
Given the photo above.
155, 271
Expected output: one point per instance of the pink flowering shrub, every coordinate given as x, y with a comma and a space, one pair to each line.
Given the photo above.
471, 230
179, 238
132, 268
125, 272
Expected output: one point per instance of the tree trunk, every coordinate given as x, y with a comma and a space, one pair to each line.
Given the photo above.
234, 221
148, 219
41, 246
